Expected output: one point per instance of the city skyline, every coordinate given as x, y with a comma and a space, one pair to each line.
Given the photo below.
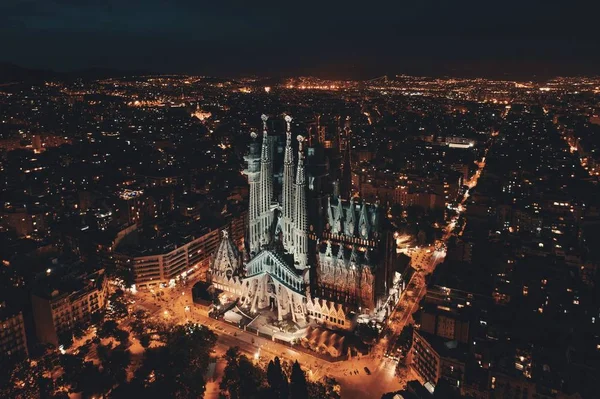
400, 235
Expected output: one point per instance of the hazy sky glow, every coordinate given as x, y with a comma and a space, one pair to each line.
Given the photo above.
233, 37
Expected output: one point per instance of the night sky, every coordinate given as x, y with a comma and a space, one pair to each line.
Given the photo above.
346, 39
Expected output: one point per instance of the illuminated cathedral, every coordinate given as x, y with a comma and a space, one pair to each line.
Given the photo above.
329, 276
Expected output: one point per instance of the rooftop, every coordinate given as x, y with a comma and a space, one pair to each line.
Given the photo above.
61, 280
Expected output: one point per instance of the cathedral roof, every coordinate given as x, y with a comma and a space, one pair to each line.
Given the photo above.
288, 260
227, 255
272, 263
281, 259
353, 218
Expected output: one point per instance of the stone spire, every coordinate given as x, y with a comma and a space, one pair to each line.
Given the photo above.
330, 219
288, 188
339, 218
346, 183
253, 173
226, 261
350, 219
266, 175
363, 224
266, 187
375, 218
300, 217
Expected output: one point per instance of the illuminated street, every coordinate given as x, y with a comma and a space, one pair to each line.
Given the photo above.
381, 380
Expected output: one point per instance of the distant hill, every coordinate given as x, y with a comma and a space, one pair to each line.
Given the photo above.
15, 73
101, 73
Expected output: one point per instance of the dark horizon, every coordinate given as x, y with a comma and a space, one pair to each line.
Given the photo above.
507, 71
520, 40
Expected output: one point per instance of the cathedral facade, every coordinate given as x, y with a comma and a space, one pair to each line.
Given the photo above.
328, 276
275, 277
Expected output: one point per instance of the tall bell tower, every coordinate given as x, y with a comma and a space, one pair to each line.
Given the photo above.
253, 173
288, 189
300, 216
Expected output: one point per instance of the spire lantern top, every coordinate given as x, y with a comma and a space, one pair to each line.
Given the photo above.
264, 118
288, 132
265, 144
300, 139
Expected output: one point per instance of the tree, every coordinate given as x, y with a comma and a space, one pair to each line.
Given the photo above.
298, 385
118, 307
277, 379
177, 370
138, 325
133, 389
78, 330
84, 377
107, 329
332, 388
84, 350
7, 365
125, 275
46, 386
122, 336
145, 341
114, 362
97, 318
21, 380
402, 372
241, 378
93, 383
396, 211
326, 389
72, 366
65, 339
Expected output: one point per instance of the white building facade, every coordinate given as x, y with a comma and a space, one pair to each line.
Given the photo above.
351, 273
276, 274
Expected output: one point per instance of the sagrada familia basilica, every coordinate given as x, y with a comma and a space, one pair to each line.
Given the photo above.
297, 272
